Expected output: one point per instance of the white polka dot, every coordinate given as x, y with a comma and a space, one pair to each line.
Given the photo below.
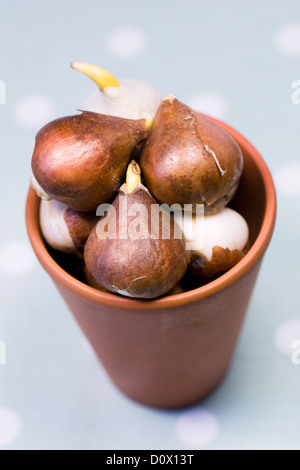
287, 39
126, 42
10, 426
287, 179
286, 335
209, 103
34, 110
17, 258
197, 427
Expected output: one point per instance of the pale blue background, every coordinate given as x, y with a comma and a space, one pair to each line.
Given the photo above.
56, 386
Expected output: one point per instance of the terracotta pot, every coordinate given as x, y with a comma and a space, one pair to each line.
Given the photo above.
173, 351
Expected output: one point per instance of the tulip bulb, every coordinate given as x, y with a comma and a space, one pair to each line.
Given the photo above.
188, 159
127, 98
135, 263
217, 244
65, 229
81, 160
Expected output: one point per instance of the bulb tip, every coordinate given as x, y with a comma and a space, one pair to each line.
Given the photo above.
170, 98
149, 120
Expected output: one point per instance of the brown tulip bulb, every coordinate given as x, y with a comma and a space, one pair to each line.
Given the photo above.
127, 254
90, 281
178, 289
188, 159
217, 242
63, 228
81, 160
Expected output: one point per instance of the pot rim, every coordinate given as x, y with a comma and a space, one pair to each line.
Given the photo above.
94, 296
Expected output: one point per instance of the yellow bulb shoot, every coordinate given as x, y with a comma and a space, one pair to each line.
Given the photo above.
100, 76
149, 121
133, 176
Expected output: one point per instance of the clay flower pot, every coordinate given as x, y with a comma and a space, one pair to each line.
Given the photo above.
173, 351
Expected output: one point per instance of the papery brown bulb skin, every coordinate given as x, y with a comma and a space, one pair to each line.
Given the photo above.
65, 229
178, 289
188, 159
140, 267
217, 242
80, 225
90, 281
81, 160
222, 260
